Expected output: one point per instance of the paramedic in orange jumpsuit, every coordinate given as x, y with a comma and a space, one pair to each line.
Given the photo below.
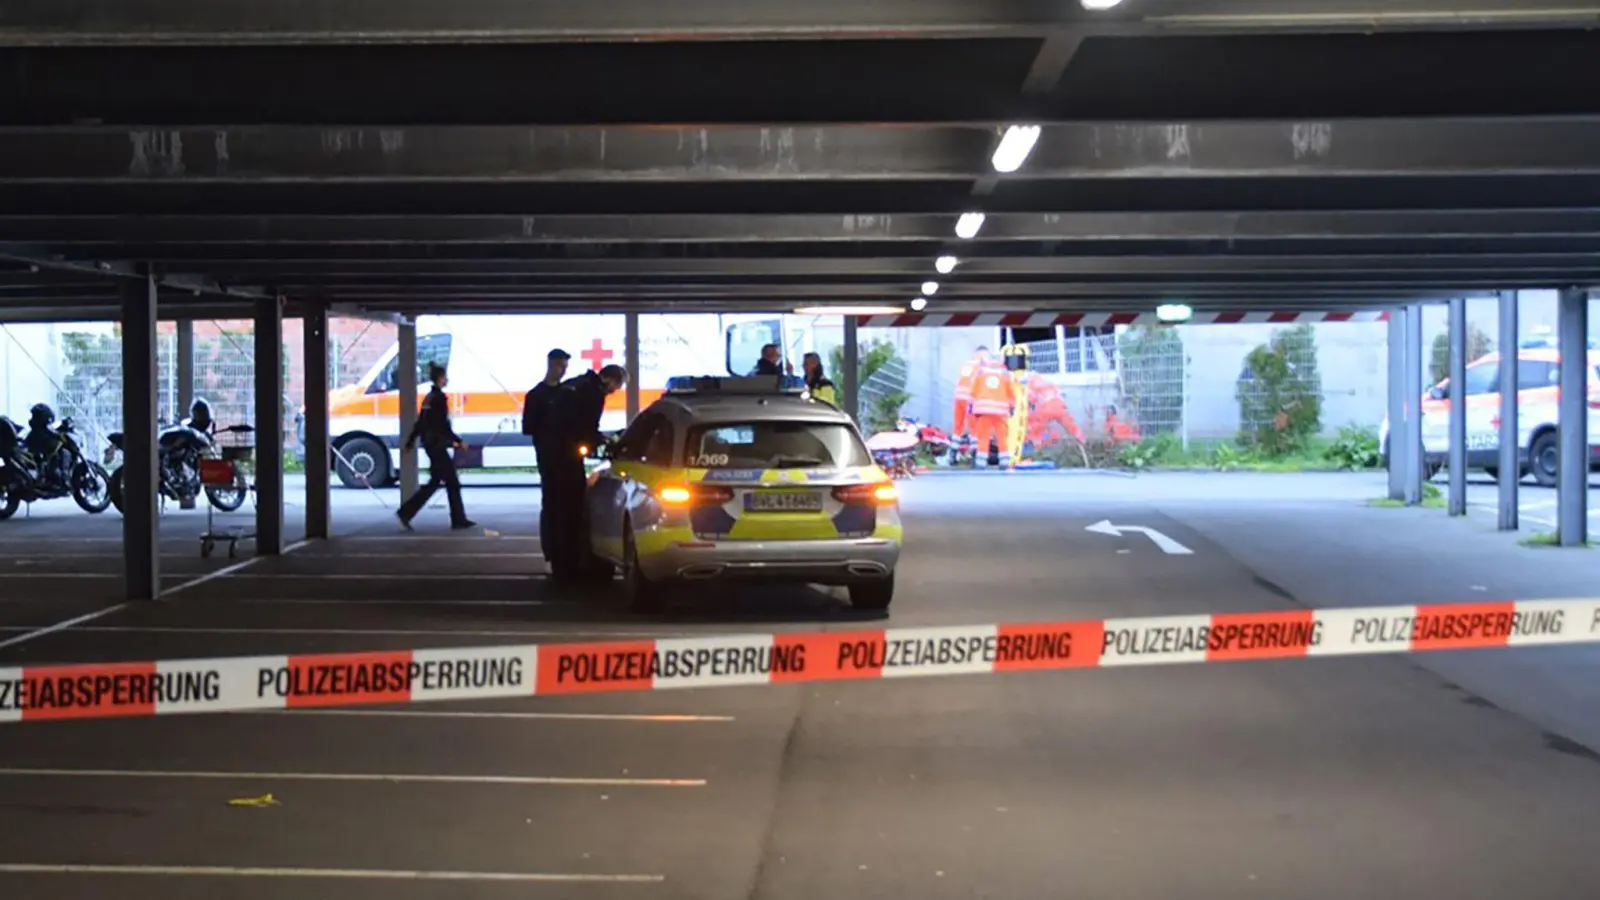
969, 371
1049, 408
993, 400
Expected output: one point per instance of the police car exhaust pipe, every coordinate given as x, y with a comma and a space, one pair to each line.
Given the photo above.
702, 572
868, 570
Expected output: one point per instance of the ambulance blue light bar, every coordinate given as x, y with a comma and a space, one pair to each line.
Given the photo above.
753, 384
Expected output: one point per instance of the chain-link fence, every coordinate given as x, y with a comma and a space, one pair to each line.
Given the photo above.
78, 370
1258, 385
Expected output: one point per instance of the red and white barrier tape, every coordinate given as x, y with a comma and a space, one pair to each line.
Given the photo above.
165, 687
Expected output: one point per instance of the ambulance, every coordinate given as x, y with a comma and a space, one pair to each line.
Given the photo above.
494, 361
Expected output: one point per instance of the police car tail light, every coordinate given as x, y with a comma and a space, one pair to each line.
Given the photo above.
693, 495
880, 493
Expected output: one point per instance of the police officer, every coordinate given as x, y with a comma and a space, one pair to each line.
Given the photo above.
579, 406
539, 422
433, 431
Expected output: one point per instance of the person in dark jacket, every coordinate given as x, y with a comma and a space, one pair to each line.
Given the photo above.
433, 431
539, 422
579, 405
772, 362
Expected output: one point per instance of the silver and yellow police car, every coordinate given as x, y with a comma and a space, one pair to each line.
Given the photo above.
744, 479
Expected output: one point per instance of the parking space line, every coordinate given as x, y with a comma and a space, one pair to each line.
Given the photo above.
432, 554
369, 874
89, 617
456, 714
385, 778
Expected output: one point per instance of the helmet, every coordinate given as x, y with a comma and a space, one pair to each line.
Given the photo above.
42, 414
200, 413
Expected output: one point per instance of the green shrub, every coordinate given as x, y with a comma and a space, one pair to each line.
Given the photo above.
1478, 345
1355, 448
1280, 394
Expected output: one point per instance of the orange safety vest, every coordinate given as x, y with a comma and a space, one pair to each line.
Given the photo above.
992, 391
969, 370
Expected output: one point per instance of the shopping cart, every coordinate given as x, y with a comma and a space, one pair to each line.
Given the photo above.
229, 471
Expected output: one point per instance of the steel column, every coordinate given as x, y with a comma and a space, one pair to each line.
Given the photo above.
1572, 417
630, 358
1510, 452
1458, 406
1416, 462
1397, 404
850, 378
269, 426
141, 521
314, 328
406, 386
184, 365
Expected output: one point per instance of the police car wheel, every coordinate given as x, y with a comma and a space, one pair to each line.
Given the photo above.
644, 595
872, 595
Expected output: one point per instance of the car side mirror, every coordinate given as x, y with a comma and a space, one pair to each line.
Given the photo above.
1439, 392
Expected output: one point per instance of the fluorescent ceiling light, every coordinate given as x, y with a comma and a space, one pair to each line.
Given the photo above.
850, 310
1174, 312
967, 226
1101, 4
1014, 147
930, 288
919, 304
945, 265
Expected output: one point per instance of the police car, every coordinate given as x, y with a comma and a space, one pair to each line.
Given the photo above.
733, 479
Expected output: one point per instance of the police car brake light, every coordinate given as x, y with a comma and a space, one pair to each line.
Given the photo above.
869, 494
694, 494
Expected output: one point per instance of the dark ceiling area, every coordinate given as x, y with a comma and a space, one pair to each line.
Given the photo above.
504, 155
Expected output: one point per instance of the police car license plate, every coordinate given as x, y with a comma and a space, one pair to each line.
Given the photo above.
783, 501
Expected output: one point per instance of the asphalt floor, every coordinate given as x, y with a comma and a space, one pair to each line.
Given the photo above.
1388, 777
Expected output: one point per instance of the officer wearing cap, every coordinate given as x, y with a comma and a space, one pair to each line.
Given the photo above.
540, 422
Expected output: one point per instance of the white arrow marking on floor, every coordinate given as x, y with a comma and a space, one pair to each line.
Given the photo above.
1167, 545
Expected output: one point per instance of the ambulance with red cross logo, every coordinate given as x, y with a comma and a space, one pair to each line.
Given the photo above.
494, 361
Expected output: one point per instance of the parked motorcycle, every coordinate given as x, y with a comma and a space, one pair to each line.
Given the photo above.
179, 450
61, 473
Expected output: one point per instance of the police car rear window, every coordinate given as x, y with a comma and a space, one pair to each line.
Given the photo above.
774, 445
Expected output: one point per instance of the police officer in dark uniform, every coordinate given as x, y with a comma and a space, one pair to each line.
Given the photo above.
540, 422
579, 404
433, 431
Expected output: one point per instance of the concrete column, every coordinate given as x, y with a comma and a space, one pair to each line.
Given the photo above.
1510, 453
1458, 406
318, 454
141, 521
1415, 463
269, 426
184, 367
850, 378
406, 386
630, 359
1572, 417
1397, 403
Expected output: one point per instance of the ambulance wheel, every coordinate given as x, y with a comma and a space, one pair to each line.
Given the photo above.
872, 595
644, 595
362, 462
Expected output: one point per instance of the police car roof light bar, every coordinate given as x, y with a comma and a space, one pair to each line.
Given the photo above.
752, 384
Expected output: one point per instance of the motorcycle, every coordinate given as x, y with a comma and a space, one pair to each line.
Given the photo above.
65, 472
179, 450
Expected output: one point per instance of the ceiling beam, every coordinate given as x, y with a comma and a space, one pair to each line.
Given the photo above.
1098, 227
931, 152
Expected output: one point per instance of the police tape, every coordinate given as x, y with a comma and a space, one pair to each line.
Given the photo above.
169, 687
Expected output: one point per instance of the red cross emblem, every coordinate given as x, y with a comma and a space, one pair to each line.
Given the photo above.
596, 355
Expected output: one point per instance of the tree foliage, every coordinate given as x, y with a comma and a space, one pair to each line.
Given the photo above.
1478, 345
1280, 393
883, 392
